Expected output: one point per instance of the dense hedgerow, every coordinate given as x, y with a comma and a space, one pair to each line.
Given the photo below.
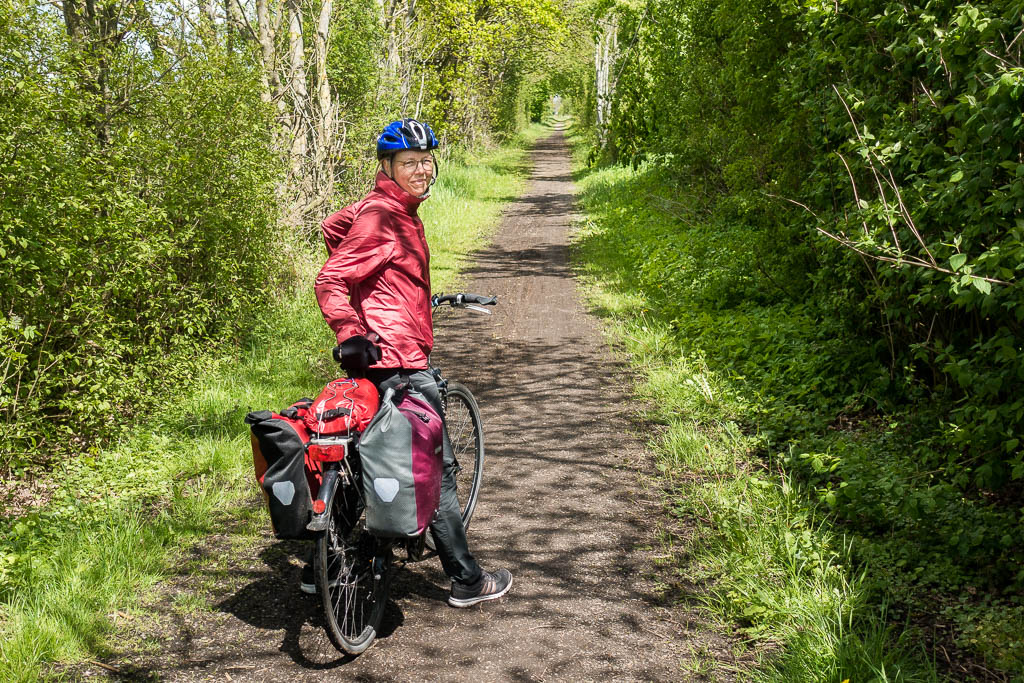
133, 234
867, 157
843, 186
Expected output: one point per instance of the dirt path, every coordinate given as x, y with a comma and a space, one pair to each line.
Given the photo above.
561, 507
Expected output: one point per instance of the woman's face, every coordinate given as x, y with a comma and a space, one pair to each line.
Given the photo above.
412, 170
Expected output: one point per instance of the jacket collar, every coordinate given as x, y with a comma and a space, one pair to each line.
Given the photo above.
390, 188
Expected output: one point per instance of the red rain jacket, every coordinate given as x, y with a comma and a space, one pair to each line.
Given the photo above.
377, 275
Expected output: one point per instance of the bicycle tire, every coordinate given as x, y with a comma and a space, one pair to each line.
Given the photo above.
466, 433
350, 578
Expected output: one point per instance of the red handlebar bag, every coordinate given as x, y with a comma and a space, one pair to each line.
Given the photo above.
289, 477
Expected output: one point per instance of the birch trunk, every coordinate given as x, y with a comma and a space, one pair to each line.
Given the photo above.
297, 82
326, 121
605, 53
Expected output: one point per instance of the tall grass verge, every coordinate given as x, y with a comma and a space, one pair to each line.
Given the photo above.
762, 555
122, 516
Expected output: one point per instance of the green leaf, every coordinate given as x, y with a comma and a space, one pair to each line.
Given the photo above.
957, 261
983, 286
956, 177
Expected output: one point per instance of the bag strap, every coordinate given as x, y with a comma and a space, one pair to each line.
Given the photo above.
333, 413
297, 409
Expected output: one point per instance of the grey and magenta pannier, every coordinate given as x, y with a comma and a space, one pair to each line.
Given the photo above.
401, 455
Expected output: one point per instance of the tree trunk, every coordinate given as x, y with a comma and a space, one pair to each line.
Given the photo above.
389, 19
398, 18
235, 24
605, 53
299, 180
94, 28
270, 78
407, 47
325, 114
297, 82
209, 12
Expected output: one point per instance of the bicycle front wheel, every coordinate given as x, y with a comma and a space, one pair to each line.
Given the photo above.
466, 432
350, 576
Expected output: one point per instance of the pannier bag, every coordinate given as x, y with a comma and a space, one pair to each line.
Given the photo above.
289, 477
345, 405
401, 454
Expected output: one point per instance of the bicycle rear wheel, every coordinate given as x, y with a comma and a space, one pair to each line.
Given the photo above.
351, 577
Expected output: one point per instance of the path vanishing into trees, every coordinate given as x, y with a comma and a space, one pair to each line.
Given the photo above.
563, 506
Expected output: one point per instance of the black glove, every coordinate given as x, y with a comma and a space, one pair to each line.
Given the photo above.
356, 353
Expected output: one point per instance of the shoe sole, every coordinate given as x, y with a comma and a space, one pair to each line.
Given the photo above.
469, 602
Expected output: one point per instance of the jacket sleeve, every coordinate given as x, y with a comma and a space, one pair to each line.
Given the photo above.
368, 246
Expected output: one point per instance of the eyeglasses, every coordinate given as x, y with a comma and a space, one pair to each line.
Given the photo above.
411, 165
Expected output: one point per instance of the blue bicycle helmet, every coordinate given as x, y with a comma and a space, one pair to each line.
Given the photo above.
406, 134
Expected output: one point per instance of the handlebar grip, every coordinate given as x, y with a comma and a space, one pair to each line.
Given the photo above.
479, 299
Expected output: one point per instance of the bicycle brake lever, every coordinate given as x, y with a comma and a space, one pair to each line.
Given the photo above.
477, 308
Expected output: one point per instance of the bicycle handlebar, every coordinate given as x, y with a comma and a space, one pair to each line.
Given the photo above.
459, 300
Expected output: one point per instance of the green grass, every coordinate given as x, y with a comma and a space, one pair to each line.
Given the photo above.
767, 557
121, 516
466, 200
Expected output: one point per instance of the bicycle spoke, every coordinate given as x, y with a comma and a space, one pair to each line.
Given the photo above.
353, 602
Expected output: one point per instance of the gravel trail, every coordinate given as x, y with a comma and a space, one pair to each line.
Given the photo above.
563, 507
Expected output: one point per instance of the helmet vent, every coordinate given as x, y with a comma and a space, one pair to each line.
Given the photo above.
406, 134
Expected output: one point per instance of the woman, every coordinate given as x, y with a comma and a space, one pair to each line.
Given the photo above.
374, 291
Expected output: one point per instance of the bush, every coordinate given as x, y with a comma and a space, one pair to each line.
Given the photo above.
129, 242
841, 192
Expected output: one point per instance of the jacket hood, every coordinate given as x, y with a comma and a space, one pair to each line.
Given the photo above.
390, 188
